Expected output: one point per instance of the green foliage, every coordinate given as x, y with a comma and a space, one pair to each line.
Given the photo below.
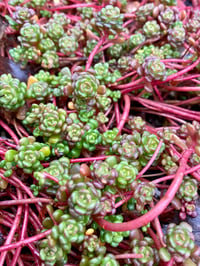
84, 200
109, 19
188, 189
38, 90
46, 119
12, 92
180, 241
126, 174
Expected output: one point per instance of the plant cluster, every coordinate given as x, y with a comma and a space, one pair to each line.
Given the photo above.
101, 144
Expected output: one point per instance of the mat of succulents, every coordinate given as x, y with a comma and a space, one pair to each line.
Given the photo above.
100, 133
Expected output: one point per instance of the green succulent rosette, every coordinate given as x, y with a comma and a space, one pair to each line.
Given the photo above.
110, 136
58, 169
60, 18
109, 20
70, 229
12, 92
51, 123
75, 132
38, 90
149, 143
68, 44
176, 34
144, 247
143, 193
85, 85
84, 200
49, 59
30, 34
154, 69
54, 30
109, 260
135, 40
22, 15
144, 11
47, 44
28, 155
126, 174
151, 29
188, 189
52, 255
91, 138
180, 241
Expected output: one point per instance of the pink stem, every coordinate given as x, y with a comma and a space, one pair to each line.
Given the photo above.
50, 177
131, 84
94, 51
187, 114
24, 201
129, 256
125, 113
91, 159
26, 241
151, 160
12, 230
72, 6
180, 73
158, 93
189, 77
126, 76
14, 180
189, 101
9, 131
155, 211
173, 88
135, 88
117, 113
118, 204
154, 237
157, 225
23, 233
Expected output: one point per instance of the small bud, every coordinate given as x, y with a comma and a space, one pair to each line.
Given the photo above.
89, 232
71, 106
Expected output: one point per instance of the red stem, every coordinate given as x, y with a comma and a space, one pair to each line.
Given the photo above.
125, 114
180, 73
24, 201
187, 114
117, 113
72, 6
155, 211
13, 229
151, 160
174, 88
90, 159
129, 256
130, 84
9, 131
93, 53
23, 234
50, 177
25, 241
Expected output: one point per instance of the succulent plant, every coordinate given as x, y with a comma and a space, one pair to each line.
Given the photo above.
30, 34
151, 29
109, 20
176, 34
144, 246
84, 200
153, 68
12, 92
180, 241
143, 193
188, 189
